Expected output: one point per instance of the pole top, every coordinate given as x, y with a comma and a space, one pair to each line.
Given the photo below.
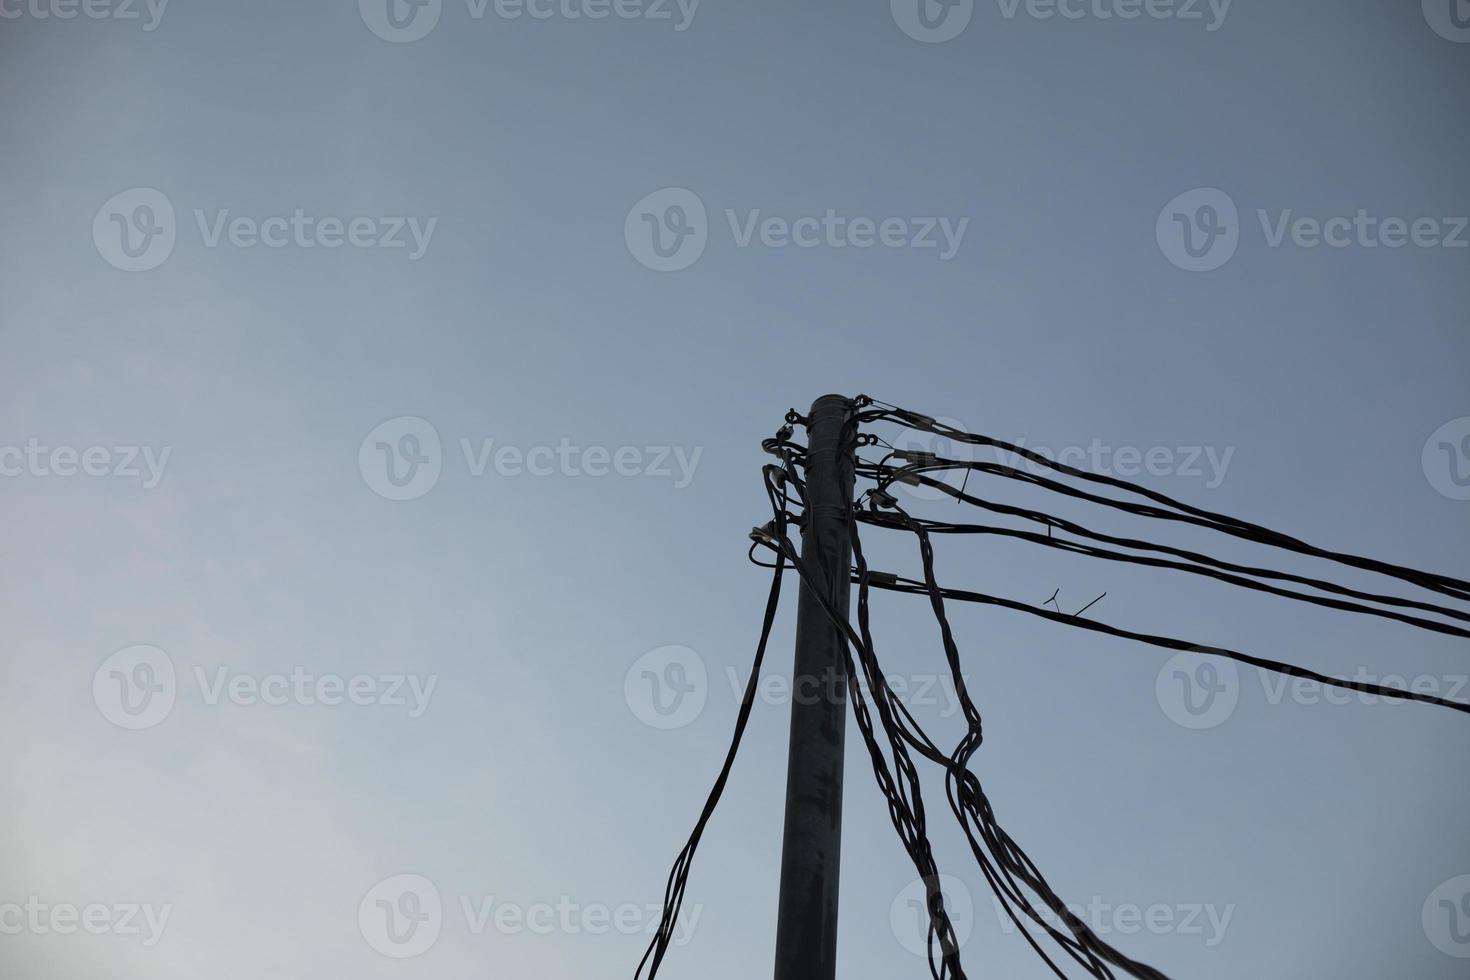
831, 404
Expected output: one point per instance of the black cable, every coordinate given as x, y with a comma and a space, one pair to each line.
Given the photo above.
679, 874
1445, 584
902, 584
1005, 866
1075, 547
1049, 521
1012, 876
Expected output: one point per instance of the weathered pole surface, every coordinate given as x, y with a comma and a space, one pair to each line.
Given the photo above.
806, 927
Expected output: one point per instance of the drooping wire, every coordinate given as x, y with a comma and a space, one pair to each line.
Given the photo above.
885, 478
1009, 872
918, 472
1013, 877
679, 875
965, 795
1076, 547
1174, 510
899, 583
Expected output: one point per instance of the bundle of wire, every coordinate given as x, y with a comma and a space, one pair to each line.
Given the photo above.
1017, 883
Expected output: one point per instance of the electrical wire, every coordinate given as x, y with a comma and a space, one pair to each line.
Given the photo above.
891, 734
1173, 509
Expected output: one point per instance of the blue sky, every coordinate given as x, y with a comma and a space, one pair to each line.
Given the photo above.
583, 452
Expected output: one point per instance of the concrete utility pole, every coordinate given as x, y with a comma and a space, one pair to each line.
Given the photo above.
806, 927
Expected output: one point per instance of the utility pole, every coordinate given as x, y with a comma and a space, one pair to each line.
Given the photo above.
806, 927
